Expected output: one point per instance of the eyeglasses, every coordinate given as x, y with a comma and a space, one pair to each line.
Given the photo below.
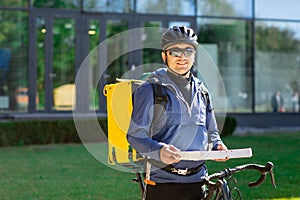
177, 52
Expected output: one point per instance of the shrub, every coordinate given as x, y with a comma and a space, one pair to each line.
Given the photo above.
229, 126
14, 133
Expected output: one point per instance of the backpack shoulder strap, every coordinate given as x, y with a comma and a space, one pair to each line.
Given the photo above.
160, 101
205, 95
159, 92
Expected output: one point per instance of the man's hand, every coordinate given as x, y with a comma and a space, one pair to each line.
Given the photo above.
168, 154
222, 147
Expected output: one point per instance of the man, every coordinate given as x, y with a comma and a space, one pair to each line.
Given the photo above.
187, 123
277, 102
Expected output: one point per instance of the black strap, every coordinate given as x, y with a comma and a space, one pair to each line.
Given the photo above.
171, 169
160, 98
159, 94
183, 172
205, 95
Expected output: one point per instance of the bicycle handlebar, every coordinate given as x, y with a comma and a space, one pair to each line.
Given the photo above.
263, 170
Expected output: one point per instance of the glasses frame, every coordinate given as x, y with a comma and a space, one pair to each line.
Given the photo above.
177, 52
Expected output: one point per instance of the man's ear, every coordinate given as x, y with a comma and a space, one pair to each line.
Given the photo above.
163, 56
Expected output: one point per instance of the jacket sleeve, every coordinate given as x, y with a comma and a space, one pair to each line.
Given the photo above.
212, 127
138, 134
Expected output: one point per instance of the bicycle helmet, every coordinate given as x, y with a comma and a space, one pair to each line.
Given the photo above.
179, 35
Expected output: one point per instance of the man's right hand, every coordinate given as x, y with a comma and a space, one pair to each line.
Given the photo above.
168, 154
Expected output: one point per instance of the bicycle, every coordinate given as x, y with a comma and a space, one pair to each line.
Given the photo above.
220, 189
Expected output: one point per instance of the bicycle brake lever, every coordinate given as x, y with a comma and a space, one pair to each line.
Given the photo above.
272, 178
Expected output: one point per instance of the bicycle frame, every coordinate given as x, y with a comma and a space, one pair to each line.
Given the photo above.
224, 192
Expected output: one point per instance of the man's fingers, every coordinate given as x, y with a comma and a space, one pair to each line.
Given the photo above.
169, 154
173, 152
172, 148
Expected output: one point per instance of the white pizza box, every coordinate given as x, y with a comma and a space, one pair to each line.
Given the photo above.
213, 155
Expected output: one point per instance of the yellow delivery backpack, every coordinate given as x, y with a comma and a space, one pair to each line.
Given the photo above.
119, 109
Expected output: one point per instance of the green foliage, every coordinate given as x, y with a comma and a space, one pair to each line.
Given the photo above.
219, 8
234, 34
116, 48
40, 132
275, 39
56, 3
226, 125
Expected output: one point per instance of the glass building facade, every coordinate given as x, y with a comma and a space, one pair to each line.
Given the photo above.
254, 43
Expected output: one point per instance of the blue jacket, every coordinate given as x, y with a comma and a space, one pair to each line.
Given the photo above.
187, 127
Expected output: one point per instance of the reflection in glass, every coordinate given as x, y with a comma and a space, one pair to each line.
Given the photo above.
229, 8
118, 6
14, 3
13, 61
63, 72
288, 9
118, 65
174, 7
179, 23
64, 4
228, 43
40, 49
94, 38
277, 65
151, 55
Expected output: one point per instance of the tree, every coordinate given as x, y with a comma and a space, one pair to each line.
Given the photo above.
275, 39
217, 7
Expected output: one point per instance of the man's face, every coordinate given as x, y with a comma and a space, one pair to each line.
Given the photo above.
180, 57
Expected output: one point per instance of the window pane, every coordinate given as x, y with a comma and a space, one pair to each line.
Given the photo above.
13, 61
227, 42
14, 3
118, 63
176, 7
288, 9
119, 6
66, 4
63, 63
40, 49
94, 40
277, 65
151, 55
230, 8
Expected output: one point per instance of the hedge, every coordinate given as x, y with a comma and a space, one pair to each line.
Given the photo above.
229, 126
14, 133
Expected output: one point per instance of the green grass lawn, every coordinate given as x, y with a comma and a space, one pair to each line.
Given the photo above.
70, 172
283, 150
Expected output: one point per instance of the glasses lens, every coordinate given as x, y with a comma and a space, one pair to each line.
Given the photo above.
188, 52
176, 52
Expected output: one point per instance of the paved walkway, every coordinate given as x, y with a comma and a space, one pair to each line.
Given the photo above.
251, 130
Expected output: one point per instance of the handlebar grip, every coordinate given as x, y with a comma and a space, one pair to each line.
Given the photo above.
258, 182
267, 169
